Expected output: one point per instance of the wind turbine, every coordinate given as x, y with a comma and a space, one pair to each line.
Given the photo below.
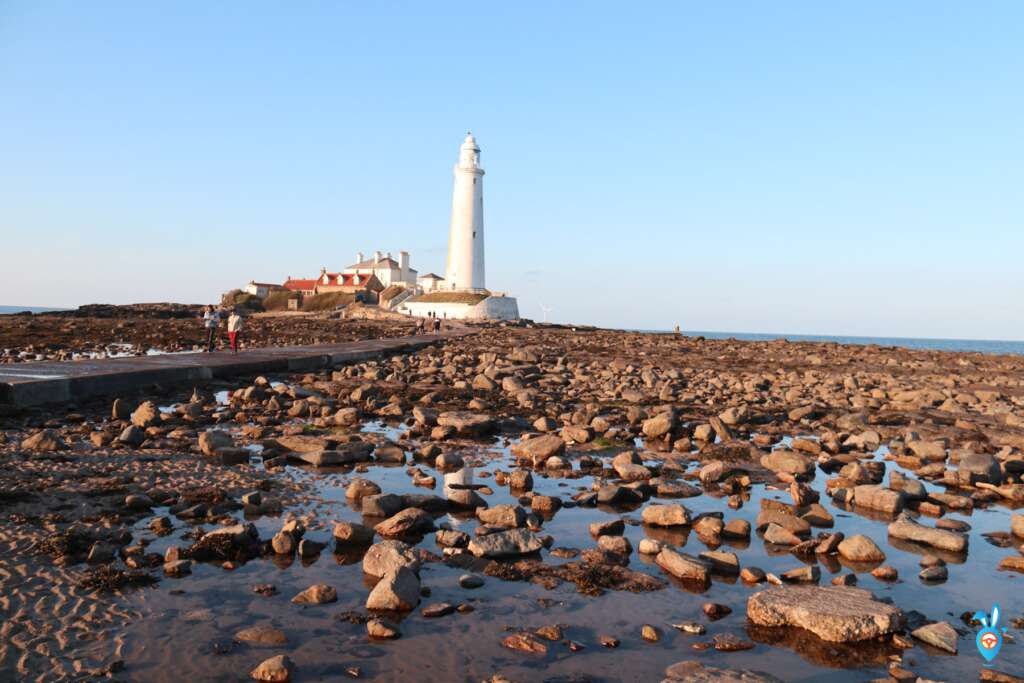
546, 311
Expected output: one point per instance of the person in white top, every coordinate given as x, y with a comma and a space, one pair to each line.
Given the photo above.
211, 320
234, 329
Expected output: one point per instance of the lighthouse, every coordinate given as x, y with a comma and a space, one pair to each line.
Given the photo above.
465, 269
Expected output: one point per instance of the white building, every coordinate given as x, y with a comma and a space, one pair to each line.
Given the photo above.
430, 282
465, 270
388, 270
463, 293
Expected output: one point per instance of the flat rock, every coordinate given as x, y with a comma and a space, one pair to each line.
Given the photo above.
907, 529
683, 566
317, 594
692, 671
262, 635
838, 614
505, 544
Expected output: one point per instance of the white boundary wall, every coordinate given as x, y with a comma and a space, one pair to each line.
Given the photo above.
491, 308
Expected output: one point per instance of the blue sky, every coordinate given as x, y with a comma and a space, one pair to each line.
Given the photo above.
835, 168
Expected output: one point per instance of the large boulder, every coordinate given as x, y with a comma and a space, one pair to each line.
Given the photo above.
43, 441
508, 516
505, 544
838, 614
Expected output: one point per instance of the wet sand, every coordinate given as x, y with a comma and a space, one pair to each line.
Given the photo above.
184, 629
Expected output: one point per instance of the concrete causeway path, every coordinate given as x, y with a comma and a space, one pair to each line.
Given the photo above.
27, 384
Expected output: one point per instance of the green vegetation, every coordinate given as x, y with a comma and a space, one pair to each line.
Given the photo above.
278, 301
449, 298
327, 302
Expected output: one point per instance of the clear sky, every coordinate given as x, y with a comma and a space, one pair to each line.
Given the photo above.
801, 167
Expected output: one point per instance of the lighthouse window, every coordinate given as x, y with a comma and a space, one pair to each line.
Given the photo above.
474, 181
474, 234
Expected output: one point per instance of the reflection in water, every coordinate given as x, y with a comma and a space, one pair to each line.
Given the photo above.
466, 646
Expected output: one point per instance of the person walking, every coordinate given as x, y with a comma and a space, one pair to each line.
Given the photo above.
211, 320
234, 329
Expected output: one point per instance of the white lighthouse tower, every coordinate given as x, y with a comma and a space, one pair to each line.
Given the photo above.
465, 270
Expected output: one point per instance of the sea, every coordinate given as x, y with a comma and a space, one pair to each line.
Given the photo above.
976, 345
6, 310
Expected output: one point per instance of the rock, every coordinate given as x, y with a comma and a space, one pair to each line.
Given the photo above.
146, 415
539, 449
470, 581
350, 533
736, 528
467, 424
835, 614
262, 635
389, 453
44, 441
467, 499
507, 516
940, 635
361, 488
382, 630
449, 461
214, 439
666, 515
649, 546
277, 669
505, 544
683, 566
178, 568
398, 591
121, 410
692, 671
658, 426
878, 498
387, 557
779, 536
907, 529
525, 642
1017, 525
447, 538
860, 548
619, 545
614, 494
976, 467
382, 505
132, 436
885, 573
722, 562
520, 480
612, 527
317, 594
789, 462
649, 633
809, 574
752, 574
934, 574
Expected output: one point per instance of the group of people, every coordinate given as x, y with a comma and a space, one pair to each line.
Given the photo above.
211, 322
429, 324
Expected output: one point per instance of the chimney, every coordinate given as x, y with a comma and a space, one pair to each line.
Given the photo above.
403, 266
359, 257
377, 256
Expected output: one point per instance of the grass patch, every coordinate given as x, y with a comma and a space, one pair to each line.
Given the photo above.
328, 301
449, 298
278, 301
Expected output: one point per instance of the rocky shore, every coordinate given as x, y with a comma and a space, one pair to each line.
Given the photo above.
523, 504
102, 331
